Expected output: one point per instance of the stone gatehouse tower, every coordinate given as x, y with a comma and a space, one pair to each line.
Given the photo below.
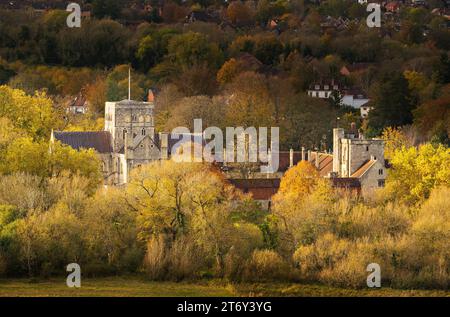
359, 158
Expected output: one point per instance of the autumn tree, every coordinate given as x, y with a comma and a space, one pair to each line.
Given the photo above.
48, 160
416, 171
301, 207
394, 140
186, 200
432, 117
96, 95
31, 114
191, 48
240, 14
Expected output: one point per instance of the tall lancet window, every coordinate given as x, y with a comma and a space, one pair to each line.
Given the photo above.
143, 131
124, 133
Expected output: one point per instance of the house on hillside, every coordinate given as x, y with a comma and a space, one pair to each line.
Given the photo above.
322, 89
357, 99
79, 105
393, 6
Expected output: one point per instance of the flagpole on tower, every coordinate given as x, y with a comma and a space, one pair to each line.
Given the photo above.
129, 83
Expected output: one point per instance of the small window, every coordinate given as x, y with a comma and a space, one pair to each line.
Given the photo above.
381, 183
380, 171
143, 131
367, 148
124, 133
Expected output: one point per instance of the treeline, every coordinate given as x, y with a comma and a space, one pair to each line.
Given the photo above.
406, 77
177, 221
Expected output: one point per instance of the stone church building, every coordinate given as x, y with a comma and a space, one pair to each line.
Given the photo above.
129, 139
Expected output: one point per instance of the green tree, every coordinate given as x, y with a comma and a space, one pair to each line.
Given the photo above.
106, 8
392, 103
189, 49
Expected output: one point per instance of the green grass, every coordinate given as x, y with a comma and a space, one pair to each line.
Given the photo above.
137, 286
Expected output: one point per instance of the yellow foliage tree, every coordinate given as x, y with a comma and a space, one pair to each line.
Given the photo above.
32, 114
394, 139
416, 171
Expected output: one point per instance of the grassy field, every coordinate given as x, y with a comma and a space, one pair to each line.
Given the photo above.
137, 286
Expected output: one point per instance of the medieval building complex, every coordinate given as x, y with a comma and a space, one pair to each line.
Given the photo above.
129, 140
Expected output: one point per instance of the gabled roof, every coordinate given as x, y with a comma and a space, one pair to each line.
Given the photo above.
325, 163
321, 85
78, 101
363, 169
138, 140
97, 140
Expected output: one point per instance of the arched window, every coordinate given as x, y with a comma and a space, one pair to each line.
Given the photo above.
124, 133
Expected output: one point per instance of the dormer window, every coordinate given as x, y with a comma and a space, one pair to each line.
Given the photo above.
317, 87
326, 87
335, 87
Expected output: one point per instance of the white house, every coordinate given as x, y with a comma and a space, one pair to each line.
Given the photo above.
357, 99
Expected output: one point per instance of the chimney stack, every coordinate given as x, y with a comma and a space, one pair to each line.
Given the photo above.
164, 137
303, 153
150, 96
291, 158
317, 159
309, 156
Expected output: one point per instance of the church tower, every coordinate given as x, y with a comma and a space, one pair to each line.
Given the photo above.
129, 119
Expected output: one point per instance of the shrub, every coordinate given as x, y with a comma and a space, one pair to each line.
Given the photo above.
173, 260
266, 265
323, 254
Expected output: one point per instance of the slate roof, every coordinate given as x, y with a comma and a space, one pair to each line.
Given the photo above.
97, 140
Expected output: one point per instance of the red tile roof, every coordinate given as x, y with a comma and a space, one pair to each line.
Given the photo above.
363, 169
260, 188
325, 163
